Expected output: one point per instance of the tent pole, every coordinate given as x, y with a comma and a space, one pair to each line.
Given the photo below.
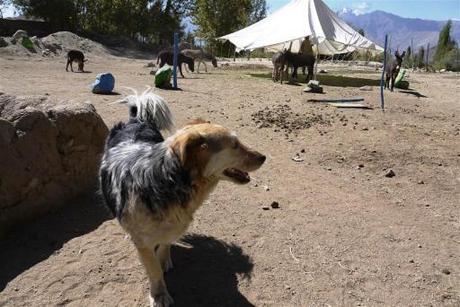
175, 62
316, 63
382, 101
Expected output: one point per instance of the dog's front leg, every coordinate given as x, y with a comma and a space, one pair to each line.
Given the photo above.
159, 296
164, 255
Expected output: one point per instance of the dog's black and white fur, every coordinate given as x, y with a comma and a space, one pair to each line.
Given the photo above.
154, 185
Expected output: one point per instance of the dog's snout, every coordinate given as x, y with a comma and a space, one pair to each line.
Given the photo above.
261, 158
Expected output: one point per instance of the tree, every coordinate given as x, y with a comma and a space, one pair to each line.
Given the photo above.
420, 59
59, 13
145, 20
215, 18
445, 42
259, 10
361, 31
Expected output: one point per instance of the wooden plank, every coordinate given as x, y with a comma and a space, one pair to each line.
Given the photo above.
352, 99
349, 105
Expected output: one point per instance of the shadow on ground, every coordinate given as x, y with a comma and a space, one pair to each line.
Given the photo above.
31, 243
413, 92
207, 274
330, 80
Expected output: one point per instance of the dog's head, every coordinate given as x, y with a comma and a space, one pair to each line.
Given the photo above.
213, 152
81, 64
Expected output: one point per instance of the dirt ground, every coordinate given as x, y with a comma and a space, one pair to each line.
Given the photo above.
344, 234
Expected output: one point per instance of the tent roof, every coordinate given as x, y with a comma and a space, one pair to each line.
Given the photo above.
297, 20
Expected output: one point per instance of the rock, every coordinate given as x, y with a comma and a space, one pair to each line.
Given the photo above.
265, 207
297, 158
442, 70
7, 132
313, 87
421, 182
390, 174
360, 166
275, 205
53, 149
445, 271
302, 150
46, 52
150, 64
18, 35
323, 71
3, 42
266, 188
366, 88
153, 72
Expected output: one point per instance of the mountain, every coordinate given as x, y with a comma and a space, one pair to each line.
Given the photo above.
400, 30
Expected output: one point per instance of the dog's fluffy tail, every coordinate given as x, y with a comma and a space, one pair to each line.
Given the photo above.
149, 107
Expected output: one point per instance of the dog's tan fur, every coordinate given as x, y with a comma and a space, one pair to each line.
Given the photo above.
205, 150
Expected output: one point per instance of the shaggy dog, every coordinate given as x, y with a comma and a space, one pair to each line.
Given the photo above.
154, 185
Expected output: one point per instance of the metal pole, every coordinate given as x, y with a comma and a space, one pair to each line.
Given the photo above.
382, 101
176, 53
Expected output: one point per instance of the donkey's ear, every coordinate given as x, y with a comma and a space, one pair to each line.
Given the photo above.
403, 54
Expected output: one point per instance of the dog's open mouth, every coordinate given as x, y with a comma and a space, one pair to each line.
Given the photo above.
237, 175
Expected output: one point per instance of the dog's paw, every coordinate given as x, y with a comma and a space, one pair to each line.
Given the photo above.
161, 300
167, 264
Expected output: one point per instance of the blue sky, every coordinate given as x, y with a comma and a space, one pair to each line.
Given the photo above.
425, 9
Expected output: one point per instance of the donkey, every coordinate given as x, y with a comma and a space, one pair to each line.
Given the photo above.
392, 69
278, 62
200, 56
166, 57
297, 60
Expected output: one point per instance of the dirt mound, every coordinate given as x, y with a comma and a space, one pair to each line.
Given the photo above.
284, 119
68, 40
52, 149
51, 45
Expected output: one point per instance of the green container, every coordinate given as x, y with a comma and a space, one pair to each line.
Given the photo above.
163, 77
27, 43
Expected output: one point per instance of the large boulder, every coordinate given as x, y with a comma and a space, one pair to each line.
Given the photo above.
49, 153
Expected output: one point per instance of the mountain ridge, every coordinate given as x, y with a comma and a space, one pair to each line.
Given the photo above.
402, 31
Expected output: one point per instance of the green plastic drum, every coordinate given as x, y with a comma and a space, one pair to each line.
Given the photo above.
400, 77
163, 77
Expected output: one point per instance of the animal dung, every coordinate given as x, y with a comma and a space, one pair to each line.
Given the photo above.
275, 205
390, 174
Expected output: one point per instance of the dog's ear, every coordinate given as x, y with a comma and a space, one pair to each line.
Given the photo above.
188, 147
197, 121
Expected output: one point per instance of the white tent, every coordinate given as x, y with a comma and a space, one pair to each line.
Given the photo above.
297, 20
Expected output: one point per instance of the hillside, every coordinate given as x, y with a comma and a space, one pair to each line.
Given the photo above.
401, 30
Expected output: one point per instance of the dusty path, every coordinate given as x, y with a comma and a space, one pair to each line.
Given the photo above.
344, 234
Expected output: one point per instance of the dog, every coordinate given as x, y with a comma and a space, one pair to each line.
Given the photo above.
75, 56
166, 57
392, 70
154, 185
